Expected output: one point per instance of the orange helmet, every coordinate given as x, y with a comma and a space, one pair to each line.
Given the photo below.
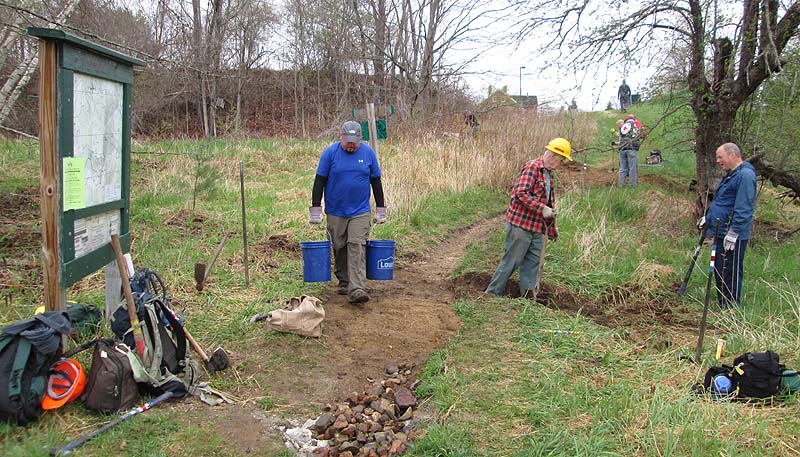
65, 383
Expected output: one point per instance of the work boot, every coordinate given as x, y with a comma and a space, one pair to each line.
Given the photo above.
342, 290
358, 296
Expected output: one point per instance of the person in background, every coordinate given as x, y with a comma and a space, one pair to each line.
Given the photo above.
346, 171
624, 96
733, 206
531, 215
630, 135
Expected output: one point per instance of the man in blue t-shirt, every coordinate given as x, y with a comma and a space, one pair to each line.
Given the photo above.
346, 171
732, 209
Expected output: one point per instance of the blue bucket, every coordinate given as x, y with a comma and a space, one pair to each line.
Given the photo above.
380, 260
316, 261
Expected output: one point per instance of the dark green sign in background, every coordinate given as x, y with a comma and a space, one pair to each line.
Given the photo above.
79, 59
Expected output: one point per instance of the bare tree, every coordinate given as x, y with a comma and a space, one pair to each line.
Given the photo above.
731, 52
13, 42
250, 19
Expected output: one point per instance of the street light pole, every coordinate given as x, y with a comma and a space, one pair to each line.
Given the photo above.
520, 80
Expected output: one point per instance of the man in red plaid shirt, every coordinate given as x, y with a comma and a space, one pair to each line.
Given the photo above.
531, 214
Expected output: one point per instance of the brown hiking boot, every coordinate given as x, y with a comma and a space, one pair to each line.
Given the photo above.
358, 296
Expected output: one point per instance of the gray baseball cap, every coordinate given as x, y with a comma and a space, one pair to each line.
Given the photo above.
351, 132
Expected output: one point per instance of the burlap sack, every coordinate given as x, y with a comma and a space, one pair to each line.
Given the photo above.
303, 316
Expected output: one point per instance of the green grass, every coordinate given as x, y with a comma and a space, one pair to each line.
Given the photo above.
506, 384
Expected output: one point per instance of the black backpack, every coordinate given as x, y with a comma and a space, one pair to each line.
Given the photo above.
170, 368
146, 284
754, 375
757, 374
27, 349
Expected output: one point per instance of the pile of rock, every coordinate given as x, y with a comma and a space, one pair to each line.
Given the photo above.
375, 423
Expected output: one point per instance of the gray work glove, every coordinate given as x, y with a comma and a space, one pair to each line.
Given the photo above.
701, 223
548, 212
730, 240
380, 215
315, 214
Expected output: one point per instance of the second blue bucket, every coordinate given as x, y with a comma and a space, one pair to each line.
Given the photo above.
316, 261
380, 260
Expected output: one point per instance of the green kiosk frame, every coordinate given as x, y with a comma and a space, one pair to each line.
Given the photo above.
85, 93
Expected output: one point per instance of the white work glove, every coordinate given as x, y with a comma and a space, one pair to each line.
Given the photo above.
730, 240
701, 223
380, 215
315, 214
548, 212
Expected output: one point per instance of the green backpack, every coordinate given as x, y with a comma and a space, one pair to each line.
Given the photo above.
27, 349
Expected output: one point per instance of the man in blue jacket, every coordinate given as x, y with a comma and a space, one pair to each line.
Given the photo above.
346, 170
733, 206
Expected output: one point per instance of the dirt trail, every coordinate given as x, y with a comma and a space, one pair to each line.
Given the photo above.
405, 320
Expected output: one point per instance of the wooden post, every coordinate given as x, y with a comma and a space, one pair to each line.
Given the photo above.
244, 228
55, 296
373, 132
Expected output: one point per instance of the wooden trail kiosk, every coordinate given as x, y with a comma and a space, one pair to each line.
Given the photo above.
85, 93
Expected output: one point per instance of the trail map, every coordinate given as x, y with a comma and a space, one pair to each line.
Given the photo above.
97, 136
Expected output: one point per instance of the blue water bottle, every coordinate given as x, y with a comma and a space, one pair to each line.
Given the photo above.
721, 384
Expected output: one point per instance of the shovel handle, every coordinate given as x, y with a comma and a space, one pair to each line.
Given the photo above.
138, 335
195, 346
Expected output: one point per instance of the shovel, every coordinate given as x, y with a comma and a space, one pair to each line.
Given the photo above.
201, 272
219, 358
538, 287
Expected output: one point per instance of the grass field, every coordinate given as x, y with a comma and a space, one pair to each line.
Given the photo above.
506, 384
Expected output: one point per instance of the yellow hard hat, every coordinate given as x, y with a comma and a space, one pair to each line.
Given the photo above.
561, 147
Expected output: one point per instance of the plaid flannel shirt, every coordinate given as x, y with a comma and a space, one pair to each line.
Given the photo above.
529, 197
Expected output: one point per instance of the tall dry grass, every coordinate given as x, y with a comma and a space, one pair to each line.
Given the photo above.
437, 161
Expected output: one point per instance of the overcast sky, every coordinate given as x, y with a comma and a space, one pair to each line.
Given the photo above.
591, 89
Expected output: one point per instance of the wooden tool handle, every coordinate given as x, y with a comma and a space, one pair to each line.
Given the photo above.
138, 335
195, 346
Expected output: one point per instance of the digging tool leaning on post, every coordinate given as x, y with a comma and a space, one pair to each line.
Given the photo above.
530, 218
138, 334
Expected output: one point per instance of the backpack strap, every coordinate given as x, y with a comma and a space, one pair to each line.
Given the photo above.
20, 361
156, 285
177, 329
80, 348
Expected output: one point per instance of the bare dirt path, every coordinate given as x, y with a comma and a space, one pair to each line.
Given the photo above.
406, 319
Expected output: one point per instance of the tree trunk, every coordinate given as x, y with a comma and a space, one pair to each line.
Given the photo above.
21, 75
776, 175
238, 119
199, 53
13, 86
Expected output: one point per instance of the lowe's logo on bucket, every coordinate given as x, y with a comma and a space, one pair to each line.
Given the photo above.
386, 264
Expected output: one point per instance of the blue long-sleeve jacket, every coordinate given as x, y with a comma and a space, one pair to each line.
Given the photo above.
735, 199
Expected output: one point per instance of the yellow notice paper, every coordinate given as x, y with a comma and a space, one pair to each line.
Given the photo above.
74, 185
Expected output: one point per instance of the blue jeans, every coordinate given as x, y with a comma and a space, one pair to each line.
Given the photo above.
522, 249
728, 273
628, 166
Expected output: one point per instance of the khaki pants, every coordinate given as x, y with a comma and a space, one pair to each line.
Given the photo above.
349, 239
